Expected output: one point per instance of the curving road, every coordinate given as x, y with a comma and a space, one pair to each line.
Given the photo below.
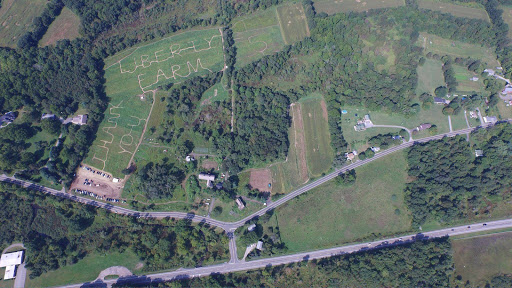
261, 263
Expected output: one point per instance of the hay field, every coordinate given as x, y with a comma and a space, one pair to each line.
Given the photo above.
430, 76
65, 26
340, 6
132, 77
16, 18
292, 20
457, 10
507, 17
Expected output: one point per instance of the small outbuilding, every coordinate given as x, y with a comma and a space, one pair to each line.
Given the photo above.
479, 153
251, 227
208, 177
490, 119
259, 245
240, 203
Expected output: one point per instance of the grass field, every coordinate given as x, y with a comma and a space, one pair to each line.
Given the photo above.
430, 76
337, 6
462, 74
319, 153
479, 258
457, 10
65, 26
84, 270
331, 215
442, 46
507, 17
16, 18
131, 78
292, 21
257, 35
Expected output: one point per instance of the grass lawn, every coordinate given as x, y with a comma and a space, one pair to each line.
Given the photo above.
292, 21
442, 46
503, 111
230, 211
84, 270
131, 76
256, 35
430, 76
480, 258
465, 85
507, 17
459, 121
319, 153
463, 10
65, 26
337, 6
331, 215
16, 18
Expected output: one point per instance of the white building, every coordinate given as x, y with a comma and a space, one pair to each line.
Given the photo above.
259, 245
208, 177
490, 119
10, 261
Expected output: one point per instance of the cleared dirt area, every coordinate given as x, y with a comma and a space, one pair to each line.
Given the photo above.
100, 185
260, 178
210, 165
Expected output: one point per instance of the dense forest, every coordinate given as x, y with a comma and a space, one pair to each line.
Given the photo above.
60, 232
450, 183
386, 267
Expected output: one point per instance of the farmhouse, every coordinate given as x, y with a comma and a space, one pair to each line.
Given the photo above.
473, 114
7, 119
364, 124
10, 261
251, 227
441, 101
259, 245
490, 72
490, 119
208, 177
240, 203
507, 90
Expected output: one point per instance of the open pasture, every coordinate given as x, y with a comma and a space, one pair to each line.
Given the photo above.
340, 6
65, 26
319, 153
16, 18
292, 20
330, 215
464, 84
132, 78
481, 257
430, 76
474, 11
507, 17
257, 35
442, 46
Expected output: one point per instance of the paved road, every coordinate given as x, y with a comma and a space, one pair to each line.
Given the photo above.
261, 263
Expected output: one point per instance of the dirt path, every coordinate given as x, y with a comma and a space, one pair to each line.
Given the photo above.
120, 271
300, 143
143, 131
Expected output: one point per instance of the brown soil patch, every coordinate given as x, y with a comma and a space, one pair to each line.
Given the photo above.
105, 187
210, 165
260, 178
324, 110
300, 142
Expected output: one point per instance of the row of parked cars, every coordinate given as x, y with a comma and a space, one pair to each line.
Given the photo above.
85, 192
94, 171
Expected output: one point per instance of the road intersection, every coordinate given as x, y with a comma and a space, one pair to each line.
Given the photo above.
235, 264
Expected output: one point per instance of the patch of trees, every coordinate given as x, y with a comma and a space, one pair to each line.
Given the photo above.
158, 180
385, 141
40, 24
449, 74
346, 179
418, 264
261, 129
59, 232
450, 183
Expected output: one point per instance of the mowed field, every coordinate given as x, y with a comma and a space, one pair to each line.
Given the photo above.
331, 215
132, 77
430, 76
16, 17
319, 153
257, 35
464, 84
480, 258
507, 17
442, 46
474, 12
292, 20
340, 6
65, 26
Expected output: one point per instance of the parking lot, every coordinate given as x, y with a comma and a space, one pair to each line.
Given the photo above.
97, 182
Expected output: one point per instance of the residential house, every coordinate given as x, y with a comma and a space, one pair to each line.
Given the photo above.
441, 101
7, 119
375, 149
208, 177
479, 153
507, 90
490, 72
240, 202
490, 119
473, 78
259, 245
251, 227
10, 262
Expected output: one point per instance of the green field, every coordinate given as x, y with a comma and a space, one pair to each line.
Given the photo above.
65, 26
331, 215
464, 84
442, 46
479, 258
16, 18
474, 10
131, 78
337, 6
257, 35
292, 21
84, 270
430, 76
319, 153
507, 17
